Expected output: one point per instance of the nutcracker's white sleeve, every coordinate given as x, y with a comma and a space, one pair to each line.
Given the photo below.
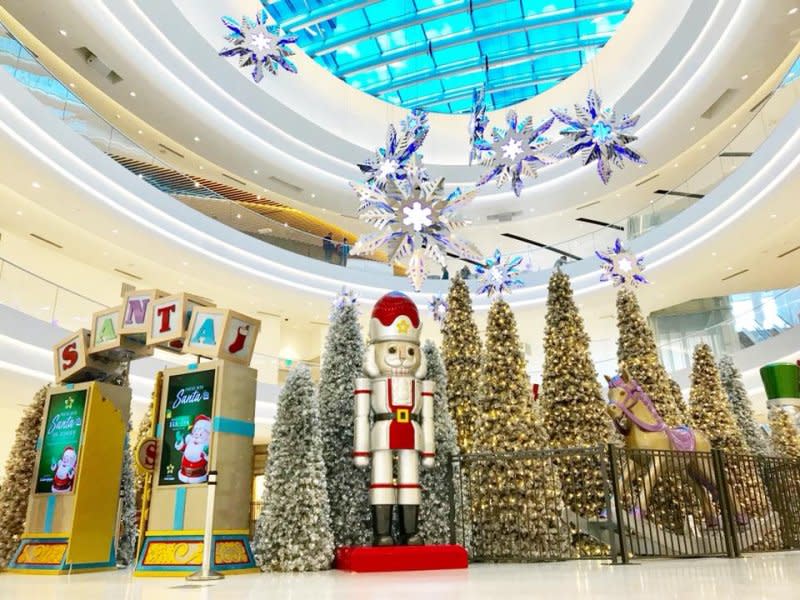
428, 444
361, 398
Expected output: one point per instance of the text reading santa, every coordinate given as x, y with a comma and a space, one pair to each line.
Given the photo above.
401, 404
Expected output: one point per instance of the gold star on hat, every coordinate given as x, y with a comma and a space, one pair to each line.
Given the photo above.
403, 326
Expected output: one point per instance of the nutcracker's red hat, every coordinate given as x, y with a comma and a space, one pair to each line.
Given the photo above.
395, 318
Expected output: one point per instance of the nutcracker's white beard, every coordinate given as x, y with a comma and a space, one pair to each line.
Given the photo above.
399, 372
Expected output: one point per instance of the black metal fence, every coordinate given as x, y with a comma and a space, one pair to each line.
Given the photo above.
608, 502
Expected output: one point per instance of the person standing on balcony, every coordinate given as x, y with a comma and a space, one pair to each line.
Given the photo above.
445, 273
344, 252
327, 246
465, 272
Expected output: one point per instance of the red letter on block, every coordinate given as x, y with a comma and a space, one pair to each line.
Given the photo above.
69, 356
164, 312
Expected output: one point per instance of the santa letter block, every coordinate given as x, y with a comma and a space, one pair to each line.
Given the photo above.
168, 319
134, 313
107, 341
221, 333
72, 362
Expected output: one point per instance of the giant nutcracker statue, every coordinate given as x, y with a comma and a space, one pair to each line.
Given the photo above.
401, 403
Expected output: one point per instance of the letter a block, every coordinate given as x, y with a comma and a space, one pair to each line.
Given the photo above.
168, 319
72, 361
107, 341
222, 333
134, 313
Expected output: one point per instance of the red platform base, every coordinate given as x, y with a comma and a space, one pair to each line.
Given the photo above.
373, 559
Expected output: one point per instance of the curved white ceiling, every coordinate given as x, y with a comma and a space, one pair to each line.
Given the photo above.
668, 61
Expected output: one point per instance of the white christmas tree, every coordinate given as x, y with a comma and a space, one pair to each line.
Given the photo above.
16, 486
126, 545
740, 404
293, 532
437, 482
348, 486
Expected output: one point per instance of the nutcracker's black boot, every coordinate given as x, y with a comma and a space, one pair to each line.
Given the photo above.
382, 525
408, 525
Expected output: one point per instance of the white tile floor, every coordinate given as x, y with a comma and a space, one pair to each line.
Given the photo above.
772, 576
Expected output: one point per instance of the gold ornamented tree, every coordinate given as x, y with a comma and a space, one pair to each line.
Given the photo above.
785, 437
572, 399
637, 351
461, 352
516, 499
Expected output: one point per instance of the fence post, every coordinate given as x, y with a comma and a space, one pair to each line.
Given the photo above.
623, 550
725, 503
451, 485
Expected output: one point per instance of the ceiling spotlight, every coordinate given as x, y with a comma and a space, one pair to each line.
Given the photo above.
691, 128
36, 185
745, 76
133, 94
64, 33
734, 126
238, 215
118, 116
201, 167
313, 195
197, 185
713, 254
196, 139
255, 171
72, 85
19, 213
792, 11
115, 231
675, 165
773, 216
140, 132
703, 147
730, 268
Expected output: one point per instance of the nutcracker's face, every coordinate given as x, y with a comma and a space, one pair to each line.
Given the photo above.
397, 358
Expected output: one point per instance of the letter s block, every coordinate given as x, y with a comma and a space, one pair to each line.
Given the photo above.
71, 360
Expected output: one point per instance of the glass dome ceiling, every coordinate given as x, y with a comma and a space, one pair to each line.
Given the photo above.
431, 54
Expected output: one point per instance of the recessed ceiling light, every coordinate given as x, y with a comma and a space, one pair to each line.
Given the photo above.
19, 213
118, 116
140, 176
792, 11
730, 268
691, 128
238, 215
196, 139
703, 147
618, 195
324, 210
258, 197
531, 210
133, 94
201, 167
185, 264
64, 32
773, 216
313, 195
140, 132
745, 76
734, 126
197, 185
713, 254
285, 224
115, 231
255, 171
36, 185
72, 85
675, 165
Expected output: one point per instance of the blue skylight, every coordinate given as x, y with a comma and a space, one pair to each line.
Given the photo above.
432, 53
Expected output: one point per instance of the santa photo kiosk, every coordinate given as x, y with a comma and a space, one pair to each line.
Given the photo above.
204, 434
72, 517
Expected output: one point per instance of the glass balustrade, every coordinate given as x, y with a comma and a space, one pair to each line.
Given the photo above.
658, 208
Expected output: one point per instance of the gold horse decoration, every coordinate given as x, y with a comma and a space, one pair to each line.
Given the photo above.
637, 419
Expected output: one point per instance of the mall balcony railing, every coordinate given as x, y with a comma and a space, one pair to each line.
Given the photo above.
760, 122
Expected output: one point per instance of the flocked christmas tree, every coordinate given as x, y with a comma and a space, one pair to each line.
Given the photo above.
461, 351
740, 405
435, 511
572, 400
785, 436
637, 351
293, 532
516, 501
16, 485
348, 486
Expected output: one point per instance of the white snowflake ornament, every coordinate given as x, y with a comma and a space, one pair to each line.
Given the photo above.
621, 266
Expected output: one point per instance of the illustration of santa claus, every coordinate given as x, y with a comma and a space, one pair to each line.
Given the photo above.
194, 447
64, 471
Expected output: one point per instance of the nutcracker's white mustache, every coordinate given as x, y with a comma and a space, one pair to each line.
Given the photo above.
399, 366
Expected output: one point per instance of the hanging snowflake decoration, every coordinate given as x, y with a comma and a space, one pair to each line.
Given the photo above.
621, 266
415, 223
599, 135
438, 308
514, 153
259, 45
477, 124
499, 276
391, 162
345, 297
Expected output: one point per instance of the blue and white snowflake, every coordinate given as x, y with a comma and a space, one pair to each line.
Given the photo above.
345, 297
415, 222
392, 161
498, 275
477, 123
621, 266
516, 152
438, 308
259, 45
599, 135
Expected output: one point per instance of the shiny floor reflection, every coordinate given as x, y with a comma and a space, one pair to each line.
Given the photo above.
773, 576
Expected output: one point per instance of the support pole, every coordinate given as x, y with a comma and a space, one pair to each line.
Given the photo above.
206, 573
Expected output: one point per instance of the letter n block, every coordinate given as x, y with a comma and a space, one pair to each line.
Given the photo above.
134, 313
71, 360
168, 319
106, 340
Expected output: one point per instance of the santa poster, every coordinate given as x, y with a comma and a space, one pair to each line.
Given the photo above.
58, 460
186, 439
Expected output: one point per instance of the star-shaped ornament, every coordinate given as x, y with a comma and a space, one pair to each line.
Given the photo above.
621, 266
69, 402
259, 45
170, 469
